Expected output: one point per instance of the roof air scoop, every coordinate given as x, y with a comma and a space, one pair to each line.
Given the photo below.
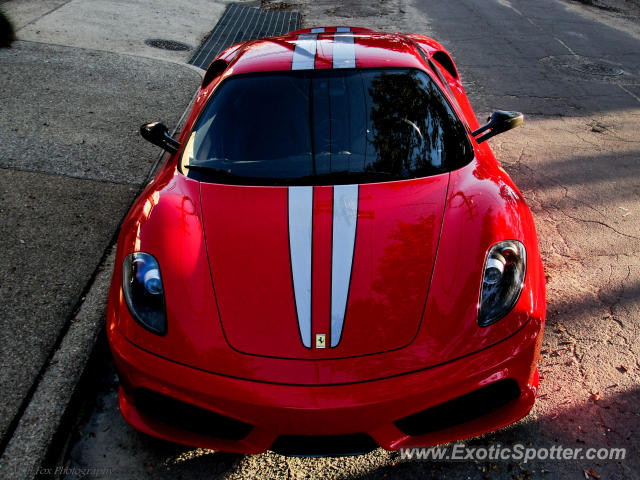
214, 71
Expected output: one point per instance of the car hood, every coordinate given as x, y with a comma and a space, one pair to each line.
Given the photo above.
323, 271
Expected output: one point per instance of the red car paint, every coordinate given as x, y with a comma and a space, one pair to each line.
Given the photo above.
410, 339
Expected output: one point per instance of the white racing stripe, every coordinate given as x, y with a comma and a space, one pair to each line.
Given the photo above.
304, 54
345, 219
300, 237
300, 210
344, 51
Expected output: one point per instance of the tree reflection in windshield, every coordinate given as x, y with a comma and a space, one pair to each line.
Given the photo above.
407, 118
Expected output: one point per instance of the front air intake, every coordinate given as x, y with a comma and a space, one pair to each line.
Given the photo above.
461, 409
189, 417
324, 445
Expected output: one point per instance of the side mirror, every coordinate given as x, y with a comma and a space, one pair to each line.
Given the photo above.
158, 134
500, 121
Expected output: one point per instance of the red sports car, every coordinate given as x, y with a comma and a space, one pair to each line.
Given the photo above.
330, 260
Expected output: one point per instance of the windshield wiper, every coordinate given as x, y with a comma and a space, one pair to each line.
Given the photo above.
218, 175
208, 169
343, 177
231, 178
330, 178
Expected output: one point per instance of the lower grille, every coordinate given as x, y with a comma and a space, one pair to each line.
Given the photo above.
324, 445
189, 417
460, 410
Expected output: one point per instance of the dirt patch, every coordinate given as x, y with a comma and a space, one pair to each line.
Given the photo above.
625, 8
269, 5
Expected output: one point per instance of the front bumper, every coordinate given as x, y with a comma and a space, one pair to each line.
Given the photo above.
279, 413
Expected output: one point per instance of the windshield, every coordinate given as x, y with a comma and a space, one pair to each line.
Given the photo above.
325, 127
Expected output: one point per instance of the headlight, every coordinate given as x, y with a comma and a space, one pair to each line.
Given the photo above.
502, 280
143, 292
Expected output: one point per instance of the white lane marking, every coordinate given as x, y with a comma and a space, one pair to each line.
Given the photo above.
566, 46
630, 93
345, 219
304, 54
344, 51
507, 3
300, 238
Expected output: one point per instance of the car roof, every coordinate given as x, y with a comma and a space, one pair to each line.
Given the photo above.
325, 48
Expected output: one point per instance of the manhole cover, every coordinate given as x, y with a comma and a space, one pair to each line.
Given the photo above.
588, 69
167, 44
597, 69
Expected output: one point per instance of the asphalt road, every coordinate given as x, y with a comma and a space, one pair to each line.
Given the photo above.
577, 79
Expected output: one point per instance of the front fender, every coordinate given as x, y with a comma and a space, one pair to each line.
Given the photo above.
483, 208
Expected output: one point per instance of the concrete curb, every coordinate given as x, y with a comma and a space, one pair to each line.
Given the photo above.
200, 71
25, 452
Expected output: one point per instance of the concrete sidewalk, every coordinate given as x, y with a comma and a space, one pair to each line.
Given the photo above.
75, 88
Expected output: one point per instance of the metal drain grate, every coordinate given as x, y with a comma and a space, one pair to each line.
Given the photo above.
240, 23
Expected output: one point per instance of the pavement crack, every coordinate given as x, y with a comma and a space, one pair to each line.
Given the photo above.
598, 222
49, 12
583, 374
551, 181
289, 474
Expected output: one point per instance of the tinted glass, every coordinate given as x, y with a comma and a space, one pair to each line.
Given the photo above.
326, 127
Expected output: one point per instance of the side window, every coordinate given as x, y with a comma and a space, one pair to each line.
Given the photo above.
437, 71
457, 94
